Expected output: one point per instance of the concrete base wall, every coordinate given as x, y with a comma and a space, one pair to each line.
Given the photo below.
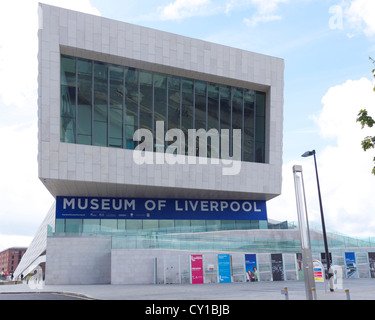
78, 260
133, 266
136, 266
91, 260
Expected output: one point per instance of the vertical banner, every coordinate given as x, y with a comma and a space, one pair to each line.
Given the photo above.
277, 267
225, 274
299, 266
351, 270
196, 269
371, 261
251, 267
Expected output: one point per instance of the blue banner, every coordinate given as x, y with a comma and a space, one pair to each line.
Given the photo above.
351, 269
159, 209
225, 274
251, 267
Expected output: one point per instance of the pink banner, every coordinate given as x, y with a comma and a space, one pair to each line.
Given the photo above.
196, 265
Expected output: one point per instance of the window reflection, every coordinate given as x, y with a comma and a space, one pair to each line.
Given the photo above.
68, 99
187, 108
100, 131
84, 107
131, 106
249, 125
104, 104
260, 129
116, 107
146, 100
161, 226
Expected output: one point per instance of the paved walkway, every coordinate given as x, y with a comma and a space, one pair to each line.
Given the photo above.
359, 289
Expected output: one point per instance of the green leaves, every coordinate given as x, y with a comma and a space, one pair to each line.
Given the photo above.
368, 143
366, 120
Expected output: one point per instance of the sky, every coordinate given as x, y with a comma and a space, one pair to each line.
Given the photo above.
326, 45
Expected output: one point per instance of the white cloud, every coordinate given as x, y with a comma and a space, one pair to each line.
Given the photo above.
256, 19
346, 167
180, 9
24, 200
14, 241
266, 7
18, 49
360, 15
346, 181
263, 7
265, 11
18, 53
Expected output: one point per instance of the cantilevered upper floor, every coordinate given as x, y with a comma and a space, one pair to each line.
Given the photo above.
101, 80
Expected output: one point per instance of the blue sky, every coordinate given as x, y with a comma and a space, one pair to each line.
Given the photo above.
316, 55
325, 45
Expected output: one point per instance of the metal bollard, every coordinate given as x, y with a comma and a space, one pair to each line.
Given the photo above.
314, 294
347, 294
285, 292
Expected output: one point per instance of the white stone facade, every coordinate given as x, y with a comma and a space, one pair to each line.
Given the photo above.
83, 170
79, 170
78, 260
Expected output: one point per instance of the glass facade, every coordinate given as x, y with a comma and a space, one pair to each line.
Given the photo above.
152, 226
104, 104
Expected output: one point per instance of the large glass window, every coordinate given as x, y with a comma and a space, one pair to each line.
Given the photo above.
134, 225
225, 117
116, 107
187, 108
160, 105
73, 226
260, 129
237, 116
100, 131
150, 225
109, 225
68, 99
213, 105
174, 106
248, 135
146, 100
84, 107
131, 106
60, 225
182, 225
200, 105
146, 226
225, 108
104, 104
174, 102
166, 226
91, 225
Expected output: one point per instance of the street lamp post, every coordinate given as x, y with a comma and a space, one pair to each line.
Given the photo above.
303, 223
305, 155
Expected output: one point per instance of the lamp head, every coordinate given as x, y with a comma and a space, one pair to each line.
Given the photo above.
308, 154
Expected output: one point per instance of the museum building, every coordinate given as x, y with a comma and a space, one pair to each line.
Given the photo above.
155, 146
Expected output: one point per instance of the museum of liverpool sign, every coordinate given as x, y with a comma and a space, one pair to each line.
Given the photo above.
159, 209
